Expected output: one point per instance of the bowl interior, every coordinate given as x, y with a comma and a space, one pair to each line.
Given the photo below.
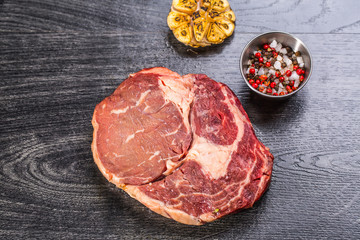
286, 40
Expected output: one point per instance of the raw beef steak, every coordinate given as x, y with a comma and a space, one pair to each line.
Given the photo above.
182, 146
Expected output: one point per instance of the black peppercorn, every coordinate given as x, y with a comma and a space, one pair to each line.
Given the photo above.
288, 49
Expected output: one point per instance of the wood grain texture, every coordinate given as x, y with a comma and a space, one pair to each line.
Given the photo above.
300, 16
58, 59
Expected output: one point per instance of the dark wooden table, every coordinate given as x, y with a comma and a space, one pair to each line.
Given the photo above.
58, 59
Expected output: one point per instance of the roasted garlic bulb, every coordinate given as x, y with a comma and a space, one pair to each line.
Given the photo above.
200, 23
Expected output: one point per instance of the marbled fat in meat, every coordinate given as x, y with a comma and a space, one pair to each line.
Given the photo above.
182, 146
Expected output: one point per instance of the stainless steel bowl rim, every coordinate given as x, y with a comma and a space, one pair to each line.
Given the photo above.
272, 96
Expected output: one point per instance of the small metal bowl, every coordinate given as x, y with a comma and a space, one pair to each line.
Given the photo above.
285, 39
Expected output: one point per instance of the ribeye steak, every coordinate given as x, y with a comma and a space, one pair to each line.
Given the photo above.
181, 145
